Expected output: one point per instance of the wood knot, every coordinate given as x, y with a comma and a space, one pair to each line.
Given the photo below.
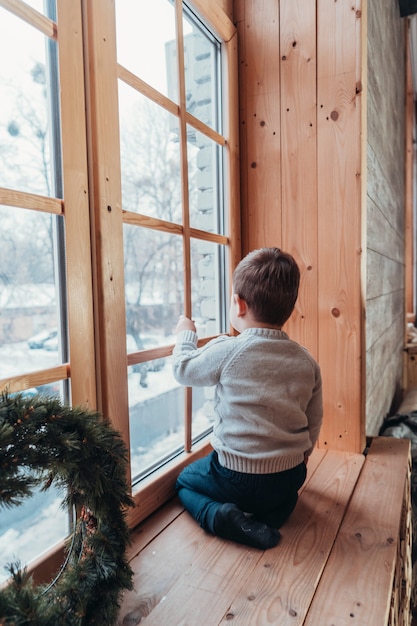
334, 115
335, 312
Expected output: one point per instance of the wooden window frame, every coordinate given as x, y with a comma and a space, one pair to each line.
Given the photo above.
103, 74
91, 207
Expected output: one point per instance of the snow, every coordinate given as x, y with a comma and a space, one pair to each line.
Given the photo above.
28, 530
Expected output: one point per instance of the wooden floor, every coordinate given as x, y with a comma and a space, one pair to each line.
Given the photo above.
344, 557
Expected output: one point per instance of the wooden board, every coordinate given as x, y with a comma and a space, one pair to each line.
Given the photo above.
283, 584
250, 577
344, 557
298, 103
339, 223
356, 585
159, 565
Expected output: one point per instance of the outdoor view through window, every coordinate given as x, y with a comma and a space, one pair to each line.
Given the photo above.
32, 285
174, 227
172, 173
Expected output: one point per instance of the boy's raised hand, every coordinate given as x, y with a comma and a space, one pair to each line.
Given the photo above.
184, 323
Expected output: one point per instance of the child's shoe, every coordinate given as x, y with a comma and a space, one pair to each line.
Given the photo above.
232, 523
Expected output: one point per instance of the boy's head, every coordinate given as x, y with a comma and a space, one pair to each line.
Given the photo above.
267, 280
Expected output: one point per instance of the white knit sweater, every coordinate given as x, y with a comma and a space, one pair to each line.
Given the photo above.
268, 398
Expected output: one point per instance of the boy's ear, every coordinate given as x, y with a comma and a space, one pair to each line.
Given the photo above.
241, 306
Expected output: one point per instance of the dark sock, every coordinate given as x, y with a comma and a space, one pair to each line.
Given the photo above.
232, 523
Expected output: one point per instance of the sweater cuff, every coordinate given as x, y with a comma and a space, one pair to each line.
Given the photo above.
187, 336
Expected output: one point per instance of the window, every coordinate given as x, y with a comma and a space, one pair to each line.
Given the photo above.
39, 207
118, 201
175, 233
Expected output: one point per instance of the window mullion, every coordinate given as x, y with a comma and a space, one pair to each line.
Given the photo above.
185, 206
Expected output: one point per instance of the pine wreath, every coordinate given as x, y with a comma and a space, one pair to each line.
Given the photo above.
43, 442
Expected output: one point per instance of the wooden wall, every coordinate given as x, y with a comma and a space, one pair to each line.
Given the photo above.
385, 295
300, 64
322, 89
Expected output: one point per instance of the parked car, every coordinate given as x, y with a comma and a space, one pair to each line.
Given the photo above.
38, 341
51, 344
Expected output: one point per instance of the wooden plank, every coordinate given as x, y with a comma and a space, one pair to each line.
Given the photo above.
31, 16
146, 532
232, 152
356, 585
35, 379
217, 573
140, 85
339, 223
280, 589
23, 200
215, 14
409, 180
106, 201
77, 213
260, 124
299, 167
223, 569
159, 566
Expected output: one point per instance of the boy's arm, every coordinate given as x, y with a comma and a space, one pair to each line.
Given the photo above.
194, 366
184, 323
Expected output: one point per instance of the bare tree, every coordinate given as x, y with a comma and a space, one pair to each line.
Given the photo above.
151, 185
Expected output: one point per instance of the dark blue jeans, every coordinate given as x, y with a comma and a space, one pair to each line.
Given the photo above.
203, 486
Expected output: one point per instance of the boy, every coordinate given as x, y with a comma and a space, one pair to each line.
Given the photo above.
268, 407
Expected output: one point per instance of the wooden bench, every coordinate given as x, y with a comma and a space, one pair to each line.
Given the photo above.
344, 557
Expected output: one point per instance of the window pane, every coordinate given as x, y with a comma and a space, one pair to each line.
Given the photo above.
205, 183
29, 312
153, 282
39, 517
156, 419
25, 160
150, 157
52, 389
203, 411
146, 42
209, 291
39, 5
202, 86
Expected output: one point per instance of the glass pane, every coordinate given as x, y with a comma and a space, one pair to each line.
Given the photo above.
201, 63
33, 527
53, 390
150, 157
153, 283
156, 418
39, 5
29, 313
25, 159
146, 43
204, 181
208, 287
203, 411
